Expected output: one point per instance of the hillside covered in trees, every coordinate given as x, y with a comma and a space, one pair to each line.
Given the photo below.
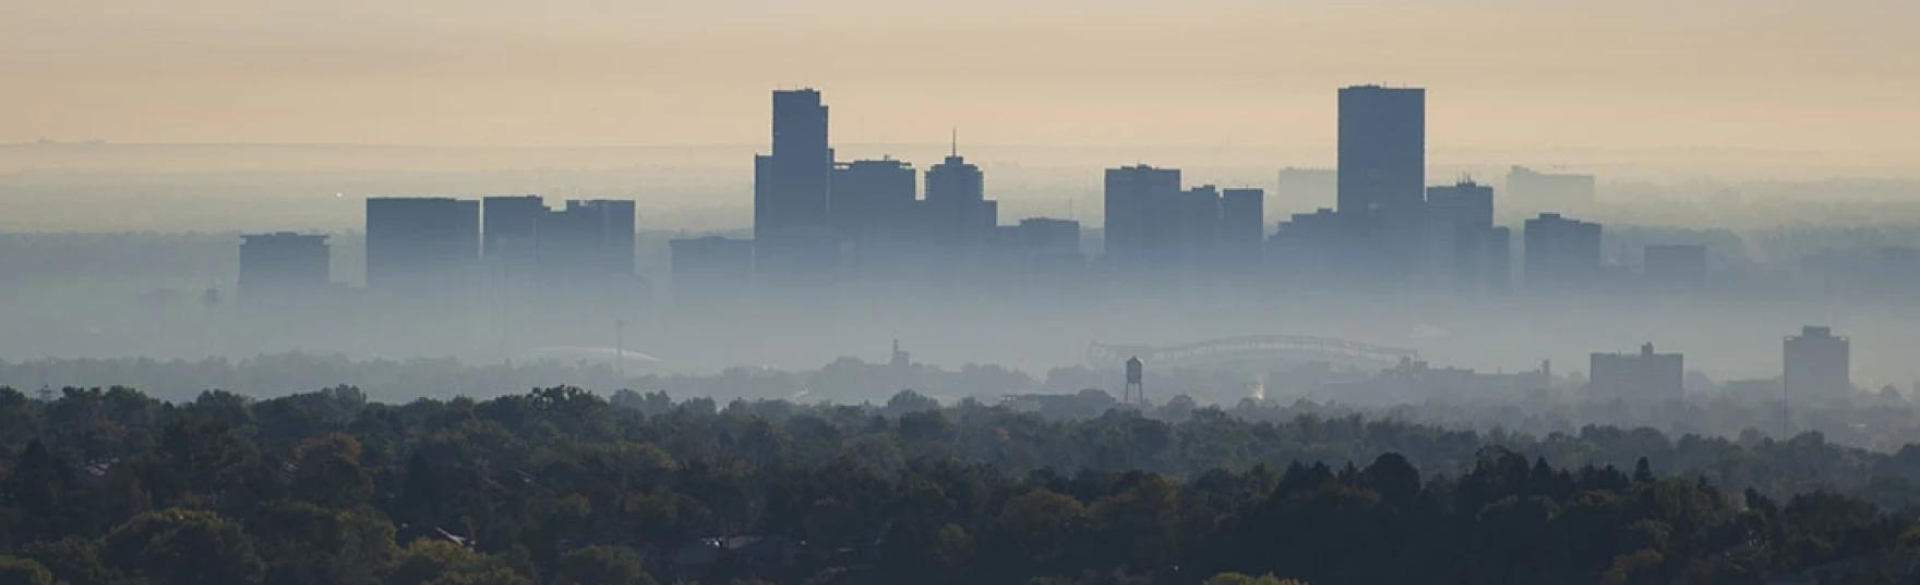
560, 486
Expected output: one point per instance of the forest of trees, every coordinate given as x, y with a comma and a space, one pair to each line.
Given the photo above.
558, 485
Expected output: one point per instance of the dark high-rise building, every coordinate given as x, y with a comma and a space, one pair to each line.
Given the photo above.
421, 245
1645, 377
1142, 210
1675, 266
958, 214
1043, 247
871, 196
1197, 231
589, 239
1815, 364
509, 228
791, 185
1462, 247
1561, 252
1383, 137
1242, 227
282, 265
1462, 203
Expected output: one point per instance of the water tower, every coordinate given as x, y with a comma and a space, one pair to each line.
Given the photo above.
1135, 392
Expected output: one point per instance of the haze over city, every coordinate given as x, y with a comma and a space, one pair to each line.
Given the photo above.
862, 293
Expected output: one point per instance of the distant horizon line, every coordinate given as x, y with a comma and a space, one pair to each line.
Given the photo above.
940, 145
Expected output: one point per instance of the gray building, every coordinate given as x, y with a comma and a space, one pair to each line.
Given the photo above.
792, 229
1645, 377
958, 214
282, 265
1815, 364
1142, 210
1561, 253
421, 245
1463, 249
1382, 148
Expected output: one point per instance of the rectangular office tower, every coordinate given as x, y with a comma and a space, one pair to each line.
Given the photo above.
1815, 364
282, 265
1142, 205
587, 239
421, 245
871, 197
1383, 141
1643, 378
1561, 253
792, 230
958, 214
1463, 248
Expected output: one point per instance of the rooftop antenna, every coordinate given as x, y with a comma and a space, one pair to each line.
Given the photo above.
956, 141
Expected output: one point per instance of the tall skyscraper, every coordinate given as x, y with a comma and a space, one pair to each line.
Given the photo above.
282, 265
1815, 364
1383, 140
1561, 252
791, 186
421, 245
1141, 207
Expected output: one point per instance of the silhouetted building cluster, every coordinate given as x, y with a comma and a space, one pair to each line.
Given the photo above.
426, 248
820, 221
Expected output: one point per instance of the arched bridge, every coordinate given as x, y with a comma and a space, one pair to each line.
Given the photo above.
1251, 348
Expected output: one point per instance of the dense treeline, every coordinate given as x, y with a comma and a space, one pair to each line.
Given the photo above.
101, 487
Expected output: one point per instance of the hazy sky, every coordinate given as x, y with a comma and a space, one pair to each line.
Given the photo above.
1833, 76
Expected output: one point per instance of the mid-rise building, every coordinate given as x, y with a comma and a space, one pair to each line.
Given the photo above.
1815, 364
1561, 253
1645, 377
958, 214
282, 265
1142, 207
421, 245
